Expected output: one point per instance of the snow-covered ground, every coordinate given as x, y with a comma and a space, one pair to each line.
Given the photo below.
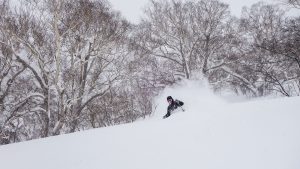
211, 134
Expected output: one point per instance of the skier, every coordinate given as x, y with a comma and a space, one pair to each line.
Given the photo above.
173, 104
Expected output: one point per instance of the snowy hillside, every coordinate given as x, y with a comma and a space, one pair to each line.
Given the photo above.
210, 134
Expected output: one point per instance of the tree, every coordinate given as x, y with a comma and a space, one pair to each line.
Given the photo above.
188, 36
285, 46
294, 3
59, 57
263, 25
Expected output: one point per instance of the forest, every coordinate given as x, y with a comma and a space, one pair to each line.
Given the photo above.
68, 66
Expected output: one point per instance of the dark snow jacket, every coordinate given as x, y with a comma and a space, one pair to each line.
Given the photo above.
174, 105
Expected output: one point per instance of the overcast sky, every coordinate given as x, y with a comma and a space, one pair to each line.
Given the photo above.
133, 9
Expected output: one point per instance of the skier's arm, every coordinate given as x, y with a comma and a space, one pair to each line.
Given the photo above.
169, 109
168, 112
179, 103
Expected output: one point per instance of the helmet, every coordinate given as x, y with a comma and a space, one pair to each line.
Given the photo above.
169, 98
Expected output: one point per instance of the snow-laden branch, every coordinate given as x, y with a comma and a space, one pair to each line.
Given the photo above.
91, 99
36, 74
244, 80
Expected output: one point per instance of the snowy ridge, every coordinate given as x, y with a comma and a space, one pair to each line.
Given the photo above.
210, 134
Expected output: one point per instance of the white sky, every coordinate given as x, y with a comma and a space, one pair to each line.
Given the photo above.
133, 9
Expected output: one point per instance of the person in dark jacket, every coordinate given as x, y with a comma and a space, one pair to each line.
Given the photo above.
173, 104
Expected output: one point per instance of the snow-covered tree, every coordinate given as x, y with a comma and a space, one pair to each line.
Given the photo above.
273, 69
58, 58
186, 35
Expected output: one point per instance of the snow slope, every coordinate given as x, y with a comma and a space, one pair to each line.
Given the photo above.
210, 134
